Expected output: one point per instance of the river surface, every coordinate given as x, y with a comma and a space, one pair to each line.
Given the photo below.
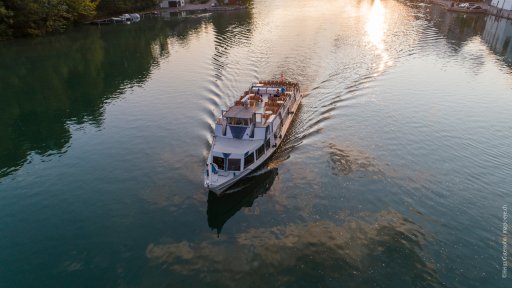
395, 172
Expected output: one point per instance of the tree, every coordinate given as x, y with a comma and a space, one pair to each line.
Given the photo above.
5, 21
38, 17
112, 7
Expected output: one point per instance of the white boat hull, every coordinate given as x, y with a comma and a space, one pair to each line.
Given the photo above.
222, 181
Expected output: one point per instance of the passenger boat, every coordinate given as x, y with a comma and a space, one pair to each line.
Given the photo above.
248, 133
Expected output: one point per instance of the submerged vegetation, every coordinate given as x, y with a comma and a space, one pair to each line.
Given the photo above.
20, 18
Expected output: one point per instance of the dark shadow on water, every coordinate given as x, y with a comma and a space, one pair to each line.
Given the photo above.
49, 84
222, 208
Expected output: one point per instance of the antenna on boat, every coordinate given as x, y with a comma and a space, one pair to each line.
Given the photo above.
282, 77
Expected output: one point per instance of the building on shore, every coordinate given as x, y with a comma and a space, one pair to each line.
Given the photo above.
172, 3
502, 4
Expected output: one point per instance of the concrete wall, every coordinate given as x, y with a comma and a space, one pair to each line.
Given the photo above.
505, 4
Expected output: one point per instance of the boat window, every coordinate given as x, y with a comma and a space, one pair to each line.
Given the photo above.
248, 160
219, 161
260, 151
234, 164
267, 144
238, 121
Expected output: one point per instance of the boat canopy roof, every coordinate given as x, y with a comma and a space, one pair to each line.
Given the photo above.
239, 112
235, 146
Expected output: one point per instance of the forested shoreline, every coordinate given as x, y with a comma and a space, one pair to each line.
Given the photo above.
21, 18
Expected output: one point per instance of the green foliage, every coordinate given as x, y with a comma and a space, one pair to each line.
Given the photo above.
82, 9
5, 21
38, 17
114, 7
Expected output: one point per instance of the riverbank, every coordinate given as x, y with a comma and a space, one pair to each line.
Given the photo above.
207, 7
112, 20
211, 5
38, 18
488, 9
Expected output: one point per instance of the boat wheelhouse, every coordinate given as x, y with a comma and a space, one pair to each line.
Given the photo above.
249, 132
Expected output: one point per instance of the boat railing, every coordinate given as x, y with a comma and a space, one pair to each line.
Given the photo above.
253, 127
224, 128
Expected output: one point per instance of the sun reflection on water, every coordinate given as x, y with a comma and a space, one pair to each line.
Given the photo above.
375, 29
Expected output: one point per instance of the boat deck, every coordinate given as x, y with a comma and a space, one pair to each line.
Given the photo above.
265, 98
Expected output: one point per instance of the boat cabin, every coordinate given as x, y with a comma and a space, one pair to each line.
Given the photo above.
241, 155
239, 115
248, 132
250, 128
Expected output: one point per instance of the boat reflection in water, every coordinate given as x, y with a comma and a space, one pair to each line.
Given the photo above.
222, 207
